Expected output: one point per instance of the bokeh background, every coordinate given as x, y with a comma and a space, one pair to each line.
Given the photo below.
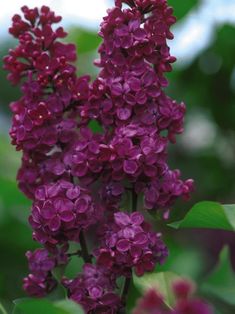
203, 77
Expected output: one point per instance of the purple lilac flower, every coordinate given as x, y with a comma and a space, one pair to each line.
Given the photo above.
40, 280
60, 211
40, 262
128, 99
94, 289
78, 179
129, 243
44, 117
37, 286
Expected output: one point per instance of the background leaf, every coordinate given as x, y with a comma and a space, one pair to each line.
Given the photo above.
221, 282
2, 310
33, 306
69, 306
29, 306
208, 215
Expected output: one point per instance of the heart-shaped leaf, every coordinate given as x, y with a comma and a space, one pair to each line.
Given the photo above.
210, 215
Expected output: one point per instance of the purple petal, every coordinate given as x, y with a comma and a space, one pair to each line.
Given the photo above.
137, 218
116, 89
130, 166
123, 245
128, 233
81, 205
66, 216
141, 239
55, 224
134, 25
95, 292
140, 34
40, 193
122, 219
117, 189
73, 193
124, 113
47, 213
134, 84
135, 251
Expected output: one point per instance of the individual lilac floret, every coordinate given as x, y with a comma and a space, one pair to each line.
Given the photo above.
40, 280
94, 290
129, 243
60, 211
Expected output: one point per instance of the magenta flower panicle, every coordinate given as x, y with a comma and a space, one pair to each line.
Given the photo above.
78, 179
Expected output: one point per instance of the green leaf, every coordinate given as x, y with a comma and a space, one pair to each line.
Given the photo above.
29, 306
208, 215
69, 306
134, 295
183, 260
182, 8
221, 282
162, 282
85, 39
95, 126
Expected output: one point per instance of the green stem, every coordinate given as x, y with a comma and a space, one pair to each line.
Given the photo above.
128, 280
126, 288
85, 254
134, 201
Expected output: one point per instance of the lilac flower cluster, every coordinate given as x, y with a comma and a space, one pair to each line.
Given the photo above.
44, 118
79, 180
128, 100
40, 281
186, 303
128, 243
60, 211
94, 290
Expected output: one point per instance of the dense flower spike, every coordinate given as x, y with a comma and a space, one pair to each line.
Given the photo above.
129, 101
44, 117
79, 180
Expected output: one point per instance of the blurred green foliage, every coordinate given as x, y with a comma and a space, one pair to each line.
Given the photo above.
180, 10
29, 306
